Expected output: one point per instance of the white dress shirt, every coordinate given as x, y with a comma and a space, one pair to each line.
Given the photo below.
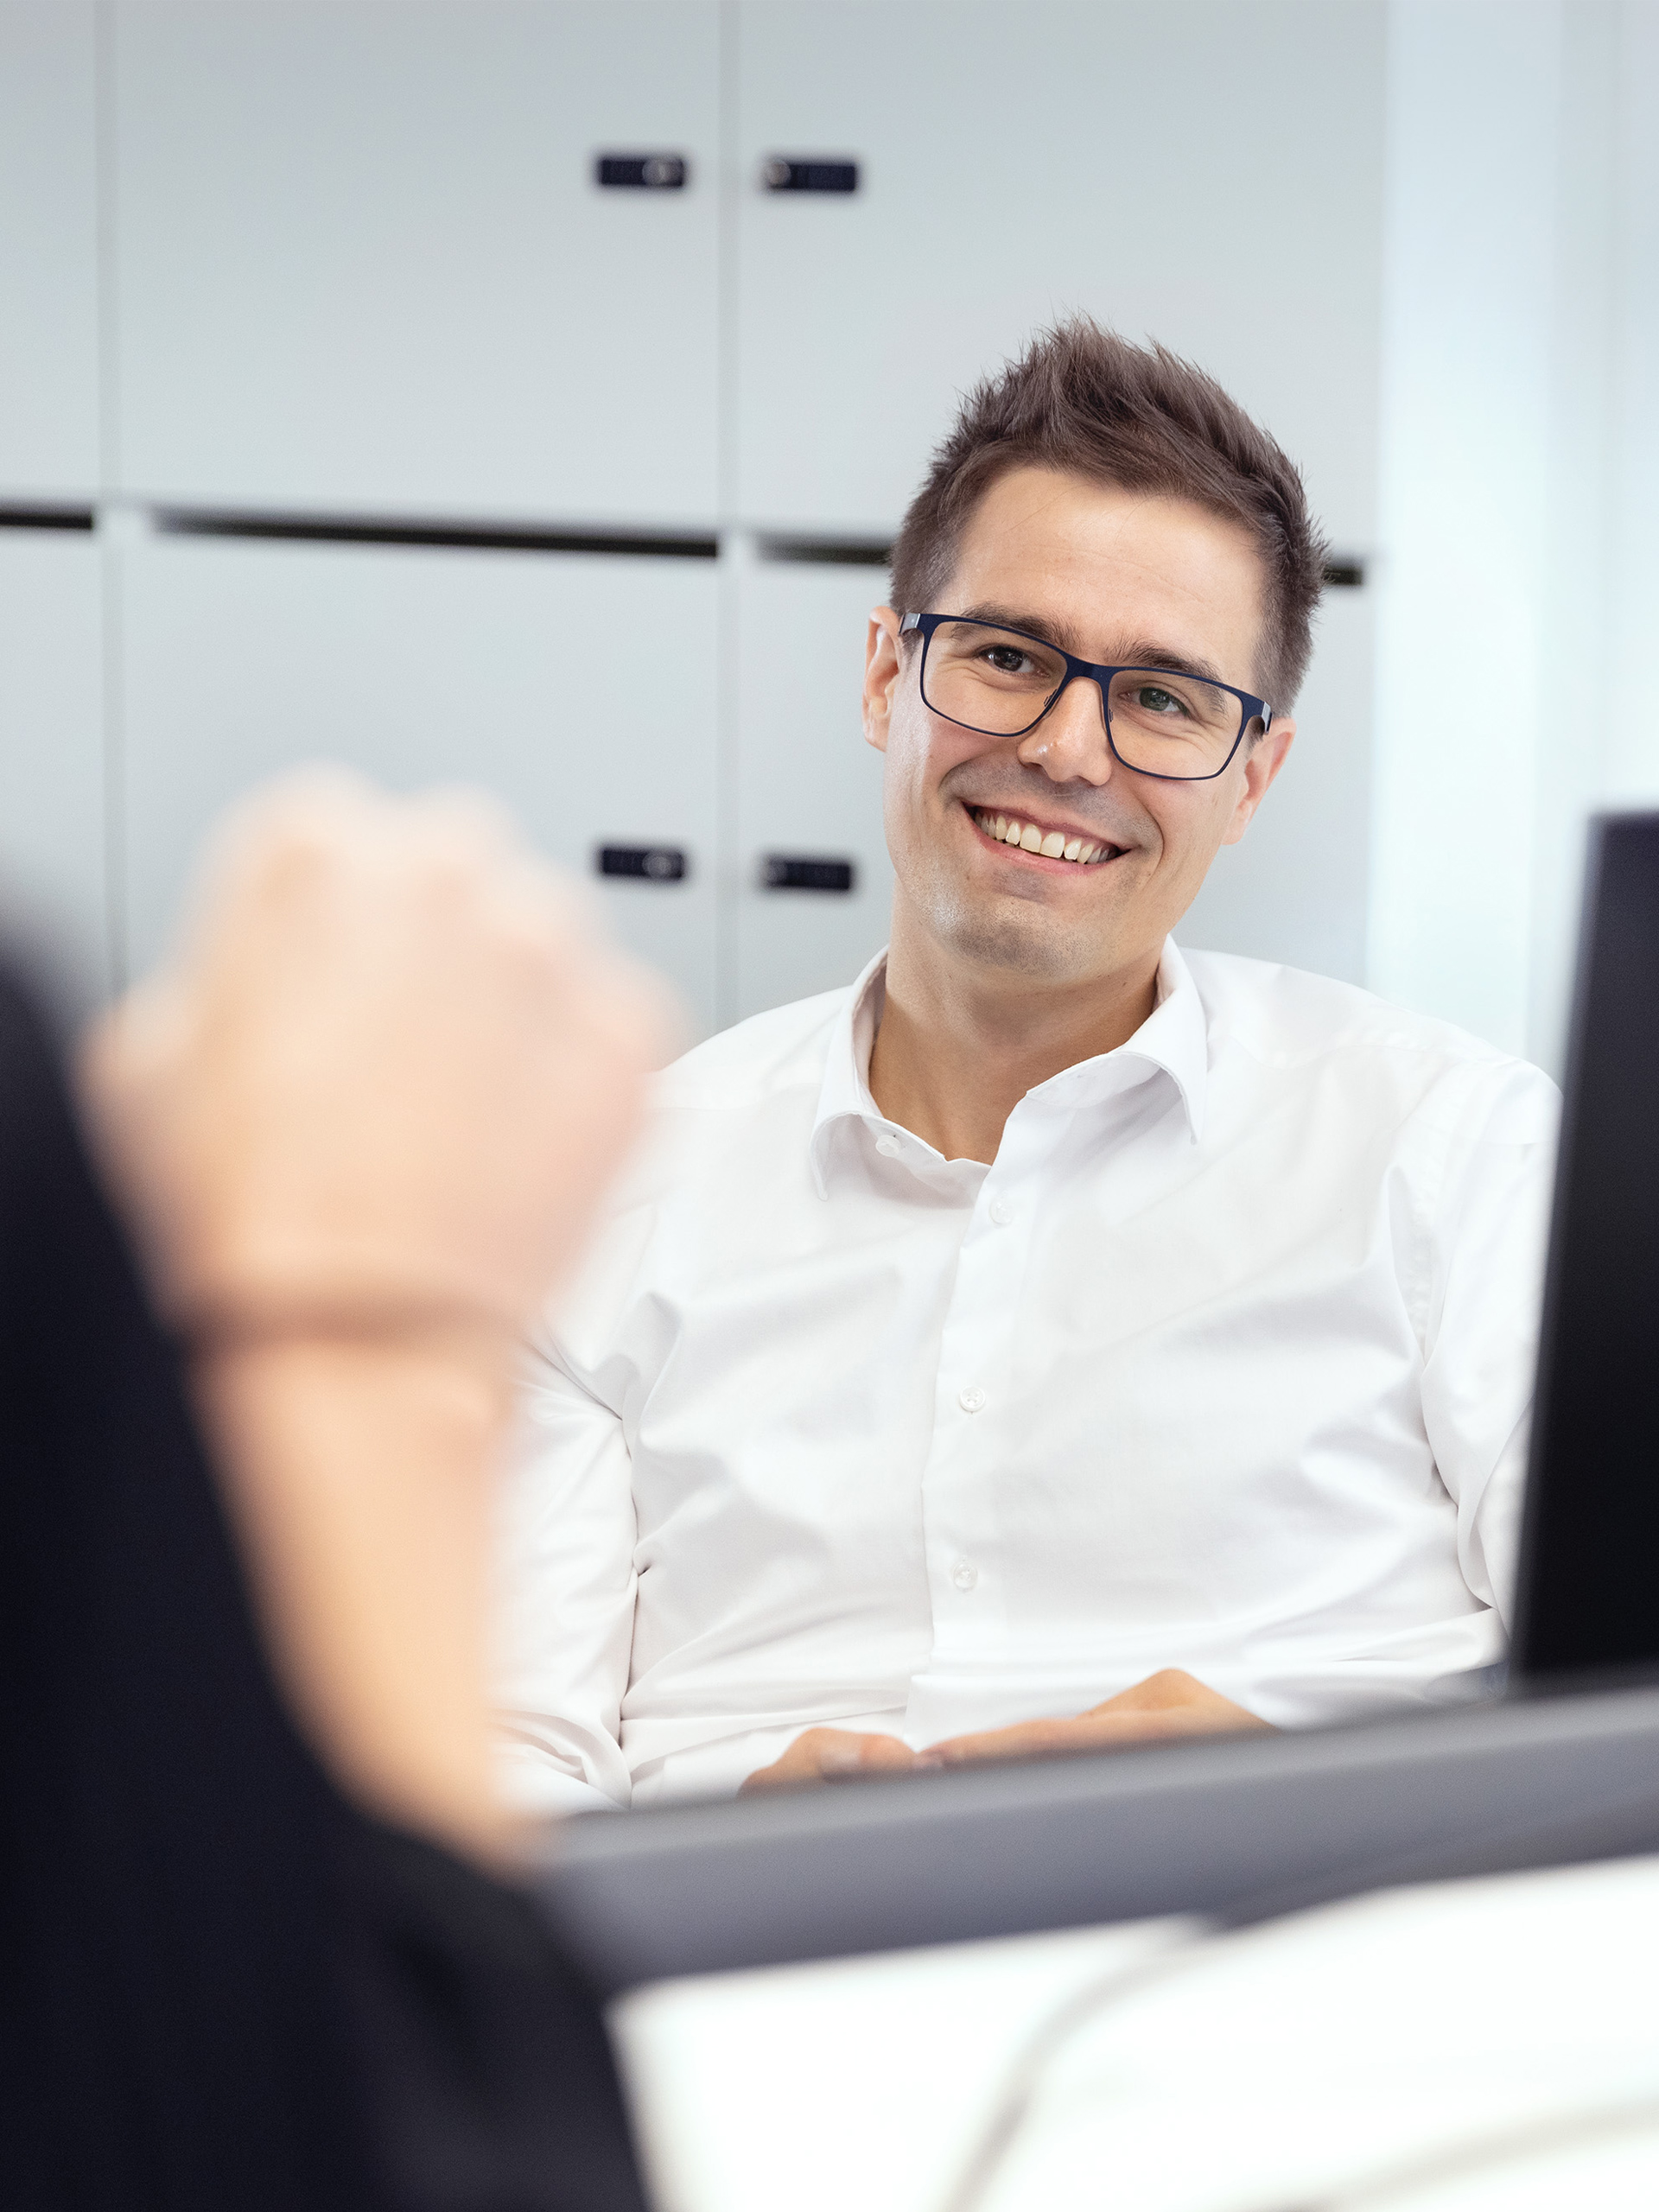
1223, 1362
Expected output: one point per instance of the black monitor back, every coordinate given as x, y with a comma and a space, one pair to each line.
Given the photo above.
1588, 1604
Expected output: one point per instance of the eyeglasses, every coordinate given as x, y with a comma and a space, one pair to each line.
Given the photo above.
1159, 722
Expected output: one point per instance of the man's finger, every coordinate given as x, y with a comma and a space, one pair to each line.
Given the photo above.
1099, 1731
1027, 1739
847, 1760
1172, 1691
830, 1755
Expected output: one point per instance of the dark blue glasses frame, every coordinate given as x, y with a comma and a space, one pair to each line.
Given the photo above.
1090, 672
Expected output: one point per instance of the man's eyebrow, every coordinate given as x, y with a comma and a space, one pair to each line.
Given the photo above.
1140, 652
1035, 626
1135, 652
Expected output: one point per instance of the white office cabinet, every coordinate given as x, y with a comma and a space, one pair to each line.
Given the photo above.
581, 690
364, 265
1209, 174
49, 251
52, 813
808, 788
1295, 887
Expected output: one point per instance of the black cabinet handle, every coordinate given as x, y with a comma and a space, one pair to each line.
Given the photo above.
785, 173
648, 863
797, 872
642, 172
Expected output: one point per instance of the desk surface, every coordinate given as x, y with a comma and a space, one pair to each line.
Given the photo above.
1485, 2046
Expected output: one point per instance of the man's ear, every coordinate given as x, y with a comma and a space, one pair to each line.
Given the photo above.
1265, 759
881, 671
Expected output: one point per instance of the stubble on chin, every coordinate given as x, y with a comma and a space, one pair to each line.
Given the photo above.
1009, 936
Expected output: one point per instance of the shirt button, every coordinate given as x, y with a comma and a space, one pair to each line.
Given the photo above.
888, 1147
1002, 1212
971, 1399
964, 1574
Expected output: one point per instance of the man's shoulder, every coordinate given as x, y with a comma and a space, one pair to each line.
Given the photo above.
784, 1049
1293, 1010
1291, 1018
726, 1144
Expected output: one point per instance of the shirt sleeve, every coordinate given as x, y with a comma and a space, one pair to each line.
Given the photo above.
564, 1616
1488, 1238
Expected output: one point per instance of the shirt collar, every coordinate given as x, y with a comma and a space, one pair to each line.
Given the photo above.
1174, 1038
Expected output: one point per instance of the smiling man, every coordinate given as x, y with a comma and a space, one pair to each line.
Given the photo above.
1052, 1339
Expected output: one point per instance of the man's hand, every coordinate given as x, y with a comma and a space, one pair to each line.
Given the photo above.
831, 1754
1169, 1703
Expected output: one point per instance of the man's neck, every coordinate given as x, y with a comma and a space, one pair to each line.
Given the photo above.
957, 1050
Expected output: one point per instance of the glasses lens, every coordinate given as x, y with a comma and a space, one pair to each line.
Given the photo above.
991, 680
1172, 725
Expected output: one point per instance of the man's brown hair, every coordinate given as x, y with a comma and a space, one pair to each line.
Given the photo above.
1085, 400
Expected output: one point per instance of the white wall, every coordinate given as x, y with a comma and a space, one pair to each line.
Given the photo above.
1519, 472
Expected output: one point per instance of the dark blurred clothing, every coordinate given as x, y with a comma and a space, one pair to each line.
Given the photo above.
218, 1986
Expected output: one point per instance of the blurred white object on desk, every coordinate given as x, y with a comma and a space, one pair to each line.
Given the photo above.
1474, 2044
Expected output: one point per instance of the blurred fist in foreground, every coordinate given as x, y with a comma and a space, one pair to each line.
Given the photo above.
384, 1080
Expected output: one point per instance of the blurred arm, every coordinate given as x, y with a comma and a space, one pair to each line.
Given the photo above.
361, 1124
357, 1476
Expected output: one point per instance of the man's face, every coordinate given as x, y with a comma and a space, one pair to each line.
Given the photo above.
1114, 578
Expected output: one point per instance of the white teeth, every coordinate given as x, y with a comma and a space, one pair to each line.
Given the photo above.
1053, 845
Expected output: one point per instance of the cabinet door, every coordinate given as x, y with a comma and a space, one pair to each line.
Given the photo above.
49, 251
581, 690
364, 264
1206, 173
51, 818
809, 787
1295, 887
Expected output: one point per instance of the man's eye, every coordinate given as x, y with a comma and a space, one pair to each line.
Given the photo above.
1006, 660
1156, 701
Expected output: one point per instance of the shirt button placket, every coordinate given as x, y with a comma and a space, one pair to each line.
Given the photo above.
960, 1484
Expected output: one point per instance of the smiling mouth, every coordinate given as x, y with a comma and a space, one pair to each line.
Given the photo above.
1043, 844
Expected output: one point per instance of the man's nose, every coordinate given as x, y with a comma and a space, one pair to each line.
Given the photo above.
1069, 744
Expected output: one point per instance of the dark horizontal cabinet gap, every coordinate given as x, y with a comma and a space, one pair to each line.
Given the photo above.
647, 863
642, 172
47, 518
827, 552
483, 537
